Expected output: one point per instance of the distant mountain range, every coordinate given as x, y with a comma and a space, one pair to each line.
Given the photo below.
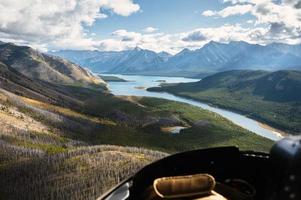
129, 61
39, 66
211, 58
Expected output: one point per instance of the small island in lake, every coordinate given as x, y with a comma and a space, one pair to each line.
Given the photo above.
161, 81
112, 79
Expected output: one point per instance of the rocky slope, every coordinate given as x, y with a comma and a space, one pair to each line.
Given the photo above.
36, 65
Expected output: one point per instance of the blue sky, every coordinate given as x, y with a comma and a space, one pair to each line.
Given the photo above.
169, 16
158, 25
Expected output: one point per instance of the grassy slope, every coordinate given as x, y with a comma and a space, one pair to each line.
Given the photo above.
273, 98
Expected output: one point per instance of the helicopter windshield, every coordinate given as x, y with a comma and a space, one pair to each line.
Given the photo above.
93, 93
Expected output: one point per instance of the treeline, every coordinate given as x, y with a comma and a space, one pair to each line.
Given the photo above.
40, 160
82, 173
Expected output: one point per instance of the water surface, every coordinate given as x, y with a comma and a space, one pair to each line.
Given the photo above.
136, 87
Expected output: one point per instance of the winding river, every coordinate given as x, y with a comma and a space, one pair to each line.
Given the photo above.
136, 86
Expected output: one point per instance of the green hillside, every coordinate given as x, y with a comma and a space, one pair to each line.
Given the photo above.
271, 97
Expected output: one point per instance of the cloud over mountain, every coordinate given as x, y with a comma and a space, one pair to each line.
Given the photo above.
194, 36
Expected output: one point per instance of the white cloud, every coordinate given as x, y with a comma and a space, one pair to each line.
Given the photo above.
150, 29
209, 13
113, 45
194, 36
194, 39
229, 33
121, 7
235, 10
123, 39
284, 20
59, 23
229, 11
295, 3
237, 1
126, 36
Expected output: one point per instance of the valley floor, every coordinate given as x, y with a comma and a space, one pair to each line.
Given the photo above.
285, 117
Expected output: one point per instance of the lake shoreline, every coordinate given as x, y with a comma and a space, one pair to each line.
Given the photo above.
133, 88
264, 124
149, 75
279, 133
